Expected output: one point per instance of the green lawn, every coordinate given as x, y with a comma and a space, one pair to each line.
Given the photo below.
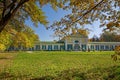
60, 66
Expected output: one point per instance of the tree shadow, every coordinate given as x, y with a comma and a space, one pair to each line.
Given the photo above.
1, 58
5, 75
111, 73
9, 76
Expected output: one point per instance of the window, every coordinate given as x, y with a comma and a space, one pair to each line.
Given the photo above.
92, 47
102, 47
112, 47
49, 47
97, 47
62, 47
106, 47
83, 46
76, 41
37, 47
55, 47
43, 47
69, 47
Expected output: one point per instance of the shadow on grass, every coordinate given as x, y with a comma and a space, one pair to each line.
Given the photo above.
8, 76
111, 73
1, 58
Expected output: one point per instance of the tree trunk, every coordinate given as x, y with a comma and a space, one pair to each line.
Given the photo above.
3, 24
4, 21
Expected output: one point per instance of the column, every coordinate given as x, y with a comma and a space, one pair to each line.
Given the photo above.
87, 46
52, 47
65, 45
100, 47
58, 46
73, 45
104, 47
80, 45
40, 47
94, 47
46, 47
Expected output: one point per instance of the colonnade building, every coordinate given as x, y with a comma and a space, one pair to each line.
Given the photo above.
75, 42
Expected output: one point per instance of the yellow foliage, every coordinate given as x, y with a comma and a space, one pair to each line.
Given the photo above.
116, 56
2, 47
117, 50
81, 31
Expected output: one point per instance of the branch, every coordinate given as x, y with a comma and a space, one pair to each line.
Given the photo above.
4, 8
88, 12
6, 18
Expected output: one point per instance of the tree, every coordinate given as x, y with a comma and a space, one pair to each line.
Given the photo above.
17, 37
94, 39
82, 12
24, 38
116, 56
23, 9
87, 11
13, 14
5, 40
107, 36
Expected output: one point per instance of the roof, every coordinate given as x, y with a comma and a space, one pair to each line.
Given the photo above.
104, 43
76, 35
49, 42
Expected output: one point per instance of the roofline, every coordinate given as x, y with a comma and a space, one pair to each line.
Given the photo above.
103, 42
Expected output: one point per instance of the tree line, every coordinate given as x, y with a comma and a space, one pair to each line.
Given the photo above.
106, 36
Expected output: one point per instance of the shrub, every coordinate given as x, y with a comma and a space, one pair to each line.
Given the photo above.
117, 50
116, 56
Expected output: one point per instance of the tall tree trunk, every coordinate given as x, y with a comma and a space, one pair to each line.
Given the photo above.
5, 19
2, 24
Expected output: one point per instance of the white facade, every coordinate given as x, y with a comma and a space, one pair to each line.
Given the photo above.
75, 42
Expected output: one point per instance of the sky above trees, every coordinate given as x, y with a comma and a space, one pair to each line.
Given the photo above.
52, 15
78, 15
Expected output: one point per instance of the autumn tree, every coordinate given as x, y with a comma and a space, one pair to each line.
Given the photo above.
107, 36
94, 39
82, 12
86, 12
5, 40
13, 14
22, 9
24, 37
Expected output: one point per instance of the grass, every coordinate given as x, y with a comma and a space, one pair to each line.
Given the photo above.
59, 66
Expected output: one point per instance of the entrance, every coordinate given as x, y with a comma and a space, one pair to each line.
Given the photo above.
76, 47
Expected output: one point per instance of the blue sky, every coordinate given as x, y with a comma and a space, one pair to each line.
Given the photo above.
46, 35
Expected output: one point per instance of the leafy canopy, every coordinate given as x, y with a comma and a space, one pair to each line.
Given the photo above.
86, 12
24, 9
82, 12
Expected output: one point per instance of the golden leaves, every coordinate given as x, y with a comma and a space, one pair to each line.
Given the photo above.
112, 25
5, 40
35, 13
26, 38
83, 32
117, 50
2, 47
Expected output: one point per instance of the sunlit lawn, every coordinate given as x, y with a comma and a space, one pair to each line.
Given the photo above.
58, 66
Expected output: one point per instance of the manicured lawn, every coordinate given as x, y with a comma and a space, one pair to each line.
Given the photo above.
59, 66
